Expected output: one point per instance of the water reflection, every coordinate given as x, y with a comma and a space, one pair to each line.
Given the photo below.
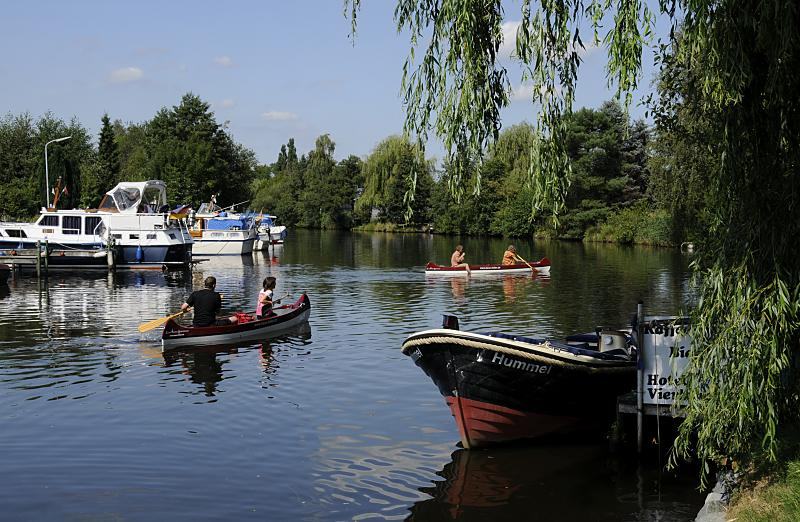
552, 482
338, 427
204, 368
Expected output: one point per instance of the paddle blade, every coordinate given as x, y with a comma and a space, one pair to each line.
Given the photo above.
155, 323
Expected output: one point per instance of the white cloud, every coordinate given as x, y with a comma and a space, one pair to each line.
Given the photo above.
509, 38
523, 91
227, 103
278, 116
223, 61
509, 45
126, 75
587, 49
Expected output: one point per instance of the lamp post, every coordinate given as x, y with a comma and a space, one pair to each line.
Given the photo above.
46, 171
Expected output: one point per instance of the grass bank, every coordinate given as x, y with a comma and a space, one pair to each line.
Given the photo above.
391, 227
774, 499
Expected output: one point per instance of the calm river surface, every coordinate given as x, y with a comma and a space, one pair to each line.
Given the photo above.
330, 423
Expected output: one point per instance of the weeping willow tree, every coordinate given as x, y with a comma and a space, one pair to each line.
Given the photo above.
396, 178
742, 383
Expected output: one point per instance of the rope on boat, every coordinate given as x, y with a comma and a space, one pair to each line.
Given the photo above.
469, 343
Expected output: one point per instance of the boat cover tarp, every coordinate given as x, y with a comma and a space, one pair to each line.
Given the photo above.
226, 224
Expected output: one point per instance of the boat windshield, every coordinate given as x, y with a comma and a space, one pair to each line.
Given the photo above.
108, 204
154, 197
208, 208
127, 197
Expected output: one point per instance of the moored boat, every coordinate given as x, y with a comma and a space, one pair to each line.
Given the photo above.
541, 266
176, 335
133, 219
501, 387
217, 232
269, 232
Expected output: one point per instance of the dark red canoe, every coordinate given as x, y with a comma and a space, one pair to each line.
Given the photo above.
286, 317
542, 266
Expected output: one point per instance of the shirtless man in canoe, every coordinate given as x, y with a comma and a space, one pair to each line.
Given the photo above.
457, 259
510, 256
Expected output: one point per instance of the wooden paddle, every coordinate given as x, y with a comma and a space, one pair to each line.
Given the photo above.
529, 265
155, 323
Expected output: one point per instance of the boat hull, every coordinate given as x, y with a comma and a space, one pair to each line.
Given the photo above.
500, 388
209, 247
541, 266
157, 254
176, 335
89, 255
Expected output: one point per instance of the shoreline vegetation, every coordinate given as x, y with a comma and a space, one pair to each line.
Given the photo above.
614, 195
774, 498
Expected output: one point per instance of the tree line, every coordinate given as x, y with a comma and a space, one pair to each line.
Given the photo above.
183, 145
612, 195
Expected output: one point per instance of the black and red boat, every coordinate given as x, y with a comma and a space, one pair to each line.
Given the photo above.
285, 317
503, 387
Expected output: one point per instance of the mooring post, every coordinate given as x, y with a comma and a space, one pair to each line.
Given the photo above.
639, 377
38, 259
46, 257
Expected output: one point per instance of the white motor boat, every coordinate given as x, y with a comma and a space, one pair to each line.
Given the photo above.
269, 232
133, 220
218, 233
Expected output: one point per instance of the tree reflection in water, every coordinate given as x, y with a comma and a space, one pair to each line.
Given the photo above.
553, 481
203, 367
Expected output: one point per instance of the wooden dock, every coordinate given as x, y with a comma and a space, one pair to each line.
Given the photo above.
40, 259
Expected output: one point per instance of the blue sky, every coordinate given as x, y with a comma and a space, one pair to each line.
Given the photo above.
273, 70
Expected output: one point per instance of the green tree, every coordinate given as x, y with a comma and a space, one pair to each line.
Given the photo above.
108, 154
101, 173
20, 195
195, 156
280, 192
393, 168
22, 166
741, 384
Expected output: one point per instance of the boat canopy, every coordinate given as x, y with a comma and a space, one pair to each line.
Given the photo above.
268, 220
142, 197
226, 224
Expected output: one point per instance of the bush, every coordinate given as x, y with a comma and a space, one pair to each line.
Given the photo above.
635, 224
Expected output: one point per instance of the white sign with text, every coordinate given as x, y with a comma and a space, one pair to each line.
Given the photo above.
665, 354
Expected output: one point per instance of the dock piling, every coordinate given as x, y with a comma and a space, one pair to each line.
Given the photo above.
38, 259
639, 377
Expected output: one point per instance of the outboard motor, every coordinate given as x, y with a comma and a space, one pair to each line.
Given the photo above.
611, 340
449, 322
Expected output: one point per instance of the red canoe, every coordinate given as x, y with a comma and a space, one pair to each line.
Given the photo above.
286, 317
542, 266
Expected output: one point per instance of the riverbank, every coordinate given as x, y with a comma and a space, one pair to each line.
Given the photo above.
775, 498
606, 233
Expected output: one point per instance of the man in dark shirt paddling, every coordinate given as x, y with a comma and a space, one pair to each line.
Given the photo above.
207, 304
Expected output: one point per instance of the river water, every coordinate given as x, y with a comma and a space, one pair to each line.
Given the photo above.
330, 422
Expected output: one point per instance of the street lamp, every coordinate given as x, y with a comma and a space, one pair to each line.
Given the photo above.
46, 171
